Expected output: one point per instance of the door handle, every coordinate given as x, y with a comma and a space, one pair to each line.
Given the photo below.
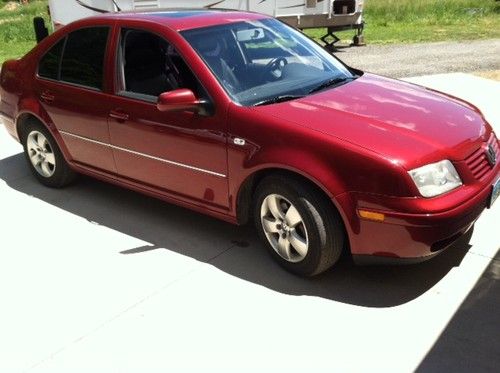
47, 97
119, 115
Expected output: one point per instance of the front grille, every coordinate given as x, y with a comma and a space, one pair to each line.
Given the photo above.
478, 163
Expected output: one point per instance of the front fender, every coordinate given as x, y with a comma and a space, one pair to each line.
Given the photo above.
303, 163
258, 142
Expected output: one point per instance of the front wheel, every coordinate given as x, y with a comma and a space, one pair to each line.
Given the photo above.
44, 157
300, 227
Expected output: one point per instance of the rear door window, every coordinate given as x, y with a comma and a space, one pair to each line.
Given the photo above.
83, 57
49, 64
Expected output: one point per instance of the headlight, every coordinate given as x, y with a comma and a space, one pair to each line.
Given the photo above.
436, 178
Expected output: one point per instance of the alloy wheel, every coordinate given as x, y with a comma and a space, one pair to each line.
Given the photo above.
284, 228
41, 154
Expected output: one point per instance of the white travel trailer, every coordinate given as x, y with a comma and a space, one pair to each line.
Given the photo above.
335, 15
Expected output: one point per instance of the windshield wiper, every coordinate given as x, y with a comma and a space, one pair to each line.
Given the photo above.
275, 100
330, 82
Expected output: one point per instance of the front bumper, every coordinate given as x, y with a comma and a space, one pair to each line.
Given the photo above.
406, 236
458, 240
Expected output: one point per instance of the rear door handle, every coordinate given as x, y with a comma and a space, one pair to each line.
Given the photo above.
119, 115
47, 97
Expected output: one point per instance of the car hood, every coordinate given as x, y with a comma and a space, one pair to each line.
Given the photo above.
409, 124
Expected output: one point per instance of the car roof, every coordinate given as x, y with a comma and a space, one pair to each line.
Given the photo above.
184, 19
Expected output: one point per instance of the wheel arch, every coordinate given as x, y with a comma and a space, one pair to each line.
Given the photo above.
247, 189
32, 110
23, 118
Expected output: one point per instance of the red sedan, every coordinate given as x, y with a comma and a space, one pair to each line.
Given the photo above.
241, 117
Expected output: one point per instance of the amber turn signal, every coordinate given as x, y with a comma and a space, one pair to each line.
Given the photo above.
371, 215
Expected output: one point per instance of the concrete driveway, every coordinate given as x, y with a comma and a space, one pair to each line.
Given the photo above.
94, 278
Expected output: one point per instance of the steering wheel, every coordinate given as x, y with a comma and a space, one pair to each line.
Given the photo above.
274, 68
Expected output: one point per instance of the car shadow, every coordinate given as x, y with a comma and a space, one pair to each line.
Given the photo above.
232, 249
470, 342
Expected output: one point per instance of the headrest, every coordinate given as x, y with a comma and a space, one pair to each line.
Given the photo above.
208, 45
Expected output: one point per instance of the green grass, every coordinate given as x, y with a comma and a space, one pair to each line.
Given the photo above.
411, 21
387, 21
17, 35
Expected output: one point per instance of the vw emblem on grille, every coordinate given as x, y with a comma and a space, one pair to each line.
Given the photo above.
491, 155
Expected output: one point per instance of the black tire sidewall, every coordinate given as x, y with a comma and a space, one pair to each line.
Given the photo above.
313, 216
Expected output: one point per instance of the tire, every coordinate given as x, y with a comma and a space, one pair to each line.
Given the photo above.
44, 157
287, 209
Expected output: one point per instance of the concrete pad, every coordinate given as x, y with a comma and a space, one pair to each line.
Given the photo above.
483, 93
95, 278
212, 321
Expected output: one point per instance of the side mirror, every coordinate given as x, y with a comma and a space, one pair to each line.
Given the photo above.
179, 100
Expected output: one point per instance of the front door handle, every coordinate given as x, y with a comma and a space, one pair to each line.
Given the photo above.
47, 97
119, 115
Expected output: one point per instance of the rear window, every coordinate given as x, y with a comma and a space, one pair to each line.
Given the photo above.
83, 57
49, 64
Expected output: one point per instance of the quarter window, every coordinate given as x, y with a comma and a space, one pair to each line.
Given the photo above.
49, 64
83, 58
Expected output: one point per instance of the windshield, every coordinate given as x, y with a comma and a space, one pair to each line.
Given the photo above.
265, 61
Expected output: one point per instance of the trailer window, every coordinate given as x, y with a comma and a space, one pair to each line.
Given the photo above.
49, 64
83, 57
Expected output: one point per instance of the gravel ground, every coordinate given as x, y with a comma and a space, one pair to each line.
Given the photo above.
406, 60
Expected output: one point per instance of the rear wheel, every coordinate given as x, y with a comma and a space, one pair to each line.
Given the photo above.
301, 229
44, 157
